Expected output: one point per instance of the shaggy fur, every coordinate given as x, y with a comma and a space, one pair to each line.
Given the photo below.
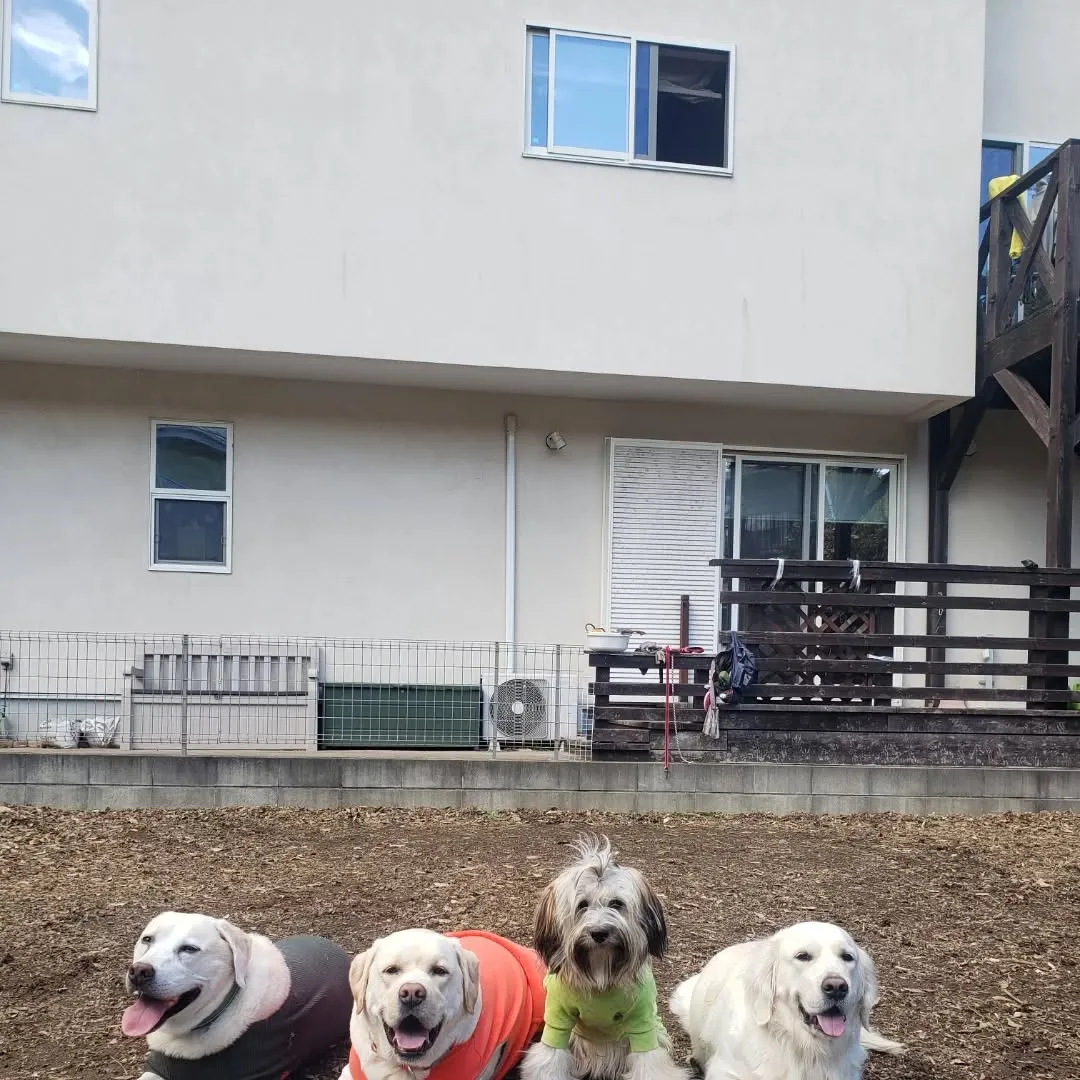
598, 925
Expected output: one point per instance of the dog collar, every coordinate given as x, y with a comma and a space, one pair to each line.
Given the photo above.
230, 997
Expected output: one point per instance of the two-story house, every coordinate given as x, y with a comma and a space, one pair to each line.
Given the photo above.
485, 320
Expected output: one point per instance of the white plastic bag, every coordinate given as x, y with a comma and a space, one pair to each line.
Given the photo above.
99, 730
59, 731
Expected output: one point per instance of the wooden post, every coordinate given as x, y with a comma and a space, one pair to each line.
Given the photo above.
1062, 413
602, 675
1063, 362
684, 629
938, 539
997, 275
1048, 624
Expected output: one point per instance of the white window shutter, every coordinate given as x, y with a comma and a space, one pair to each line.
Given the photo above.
665, 514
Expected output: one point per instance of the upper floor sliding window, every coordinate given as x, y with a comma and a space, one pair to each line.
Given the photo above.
618, 100
49, 53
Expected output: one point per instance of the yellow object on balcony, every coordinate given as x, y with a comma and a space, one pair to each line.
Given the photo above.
997, 185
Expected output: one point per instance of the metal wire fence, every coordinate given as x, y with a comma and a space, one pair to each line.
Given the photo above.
190, 692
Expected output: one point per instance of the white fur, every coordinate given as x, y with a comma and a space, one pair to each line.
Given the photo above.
223, 955
597, 894
450, 977
750, 1013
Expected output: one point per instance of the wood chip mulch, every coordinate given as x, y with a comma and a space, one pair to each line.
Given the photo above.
973, 922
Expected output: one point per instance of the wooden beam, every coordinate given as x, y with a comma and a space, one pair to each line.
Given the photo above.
1028, 337
1059, 508
970, 415
940, 431
1028, 401
848, 601
997, 274
938, 534
839, 571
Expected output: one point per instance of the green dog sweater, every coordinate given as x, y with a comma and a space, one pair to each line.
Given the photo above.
622, 1013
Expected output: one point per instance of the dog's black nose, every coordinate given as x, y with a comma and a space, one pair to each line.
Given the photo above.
411, 993
140, 974
599, 936
835, 988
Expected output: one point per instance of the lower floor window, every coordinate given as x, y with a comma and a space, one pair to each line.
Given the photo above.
190, 496
190, 531
789, 509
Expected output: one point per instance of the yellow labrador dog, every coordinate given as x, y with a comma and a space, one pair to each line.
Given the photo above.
434, 1006
795, 1006
216, 1003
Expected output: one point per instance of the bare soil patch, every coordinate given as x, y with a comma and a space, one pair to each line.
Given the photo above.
973, 922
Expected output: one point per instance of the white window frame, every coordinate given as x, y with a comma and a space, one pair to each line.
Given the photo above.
12, 97
605, 157
192, 495
823, 461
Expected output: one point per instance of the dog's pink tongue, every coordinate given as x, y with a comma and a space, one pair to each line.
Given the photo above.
143, 1015
409, 1040
832, 1025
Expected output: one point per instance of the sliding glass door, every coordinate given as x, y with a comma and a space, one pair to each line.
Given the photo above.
784, 509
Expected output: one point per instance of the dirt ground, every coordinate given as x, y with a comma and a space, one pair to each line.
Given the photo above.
973, 922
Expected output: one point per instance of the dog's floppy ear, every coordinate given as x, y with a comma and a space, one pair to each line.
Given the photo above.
470, 973
870, 995
761, 980
546, 937
239, 945
359, 970
653, 920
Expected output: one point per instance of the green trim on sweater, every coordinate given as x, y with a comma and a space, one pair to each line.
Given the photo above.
623, 1013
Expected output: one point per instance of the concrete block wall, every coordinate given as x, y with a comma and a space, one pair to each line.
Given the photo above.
100, 779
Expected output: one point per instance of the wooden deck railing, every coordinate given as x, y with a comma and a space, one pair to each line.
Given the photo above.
829, 635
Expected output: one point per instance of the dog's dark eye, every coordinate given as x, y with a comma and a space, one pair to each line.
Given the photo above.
439, 970
392, 970
616, 905
847, 958
146, 939
582, 906
189, 949
803, 957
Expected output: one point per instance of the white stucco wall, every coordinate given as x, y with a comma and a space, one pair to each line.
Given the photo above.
1032, 78
310, 179
359, 511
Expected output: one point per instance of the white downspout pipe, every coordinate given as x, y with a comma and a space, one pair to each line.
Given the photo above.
511, 540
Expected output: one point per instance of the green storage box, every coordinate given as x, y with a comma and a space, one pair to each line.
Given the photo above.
357, 716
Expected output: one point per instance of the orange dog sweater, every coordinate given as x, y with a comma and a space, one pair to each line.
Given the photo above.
512, 1009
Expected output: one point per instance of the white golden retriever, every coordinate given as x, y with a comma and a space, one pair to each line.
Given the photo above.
795, 1006
213, 1001
420, 1006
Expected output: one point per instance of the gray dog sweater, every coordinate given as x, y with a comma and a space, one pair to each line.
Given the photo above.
312, 1019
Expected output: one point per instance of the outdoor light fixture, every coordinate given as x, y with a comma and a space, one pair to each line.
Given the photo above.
554, 441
